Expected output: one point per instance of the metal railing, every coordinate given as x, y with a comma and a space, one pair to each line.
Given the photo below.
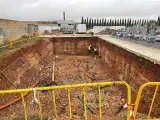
139, 97
69, 87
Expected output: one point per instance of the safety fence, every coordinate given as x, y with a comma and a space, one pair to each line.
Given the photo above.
68, 88
129, 106
156, 84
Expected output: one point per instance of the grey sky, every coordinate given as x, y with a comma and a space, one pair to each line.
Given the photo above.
75, 9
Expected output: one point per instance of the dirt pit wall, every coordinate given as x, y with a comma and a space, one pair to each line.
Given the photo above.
21, 68
120, 64
27, 65
134, 70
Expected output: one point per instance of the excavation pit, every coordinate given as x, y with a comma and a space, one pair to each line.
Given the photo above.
31, 65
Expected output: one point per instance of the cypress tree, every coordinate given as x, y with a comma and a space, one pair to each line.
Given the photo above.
100, 23
82, 20
97, 22
122, 23
135, 22
115, 22
105, 22
140, 22
158, 21
118, 22
125, 22
145, 22
130, 22
92, 23
110, 22
87, 23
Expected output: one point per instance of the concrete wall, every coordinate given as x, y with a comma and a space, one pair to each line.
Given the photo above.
12, 27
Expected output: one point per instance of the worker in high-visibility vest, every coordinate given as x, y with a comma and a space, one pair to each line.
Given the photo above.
95, 51
90, 48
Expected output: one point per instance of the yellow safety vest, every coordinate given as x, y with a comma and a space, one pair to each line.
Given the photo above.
95, 49
89, 48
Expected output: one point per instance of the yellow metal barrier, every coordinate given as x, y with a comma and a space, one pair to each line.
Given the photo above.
140, 93
68, 87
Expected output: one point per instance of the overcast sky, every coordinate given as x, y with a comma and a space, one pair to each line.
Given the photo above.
75, 9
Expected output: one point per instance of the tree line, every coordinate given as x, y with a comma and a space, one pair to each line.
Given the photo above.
115, 22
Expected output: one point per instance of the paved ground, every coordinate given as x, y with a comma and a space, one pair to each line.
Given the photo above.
149, 52
145, 43
67, 35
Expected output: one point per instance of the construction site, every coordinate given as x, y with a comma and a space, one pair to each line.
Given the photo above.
48, 71
64, 60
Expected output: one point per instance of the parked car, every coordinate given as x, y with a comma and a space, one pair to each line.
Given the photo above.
157, 38
151, 38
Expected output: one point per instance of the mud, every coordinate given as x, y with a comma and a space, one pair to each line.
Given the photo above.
32, 63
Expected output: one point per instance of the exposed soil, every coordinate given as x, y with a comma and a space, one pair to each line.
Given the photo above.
31, 65
72, 70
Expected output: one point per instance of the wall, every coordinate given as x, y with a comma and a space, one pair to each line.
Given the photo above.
132, 69
12, 27
21, 68
73, 45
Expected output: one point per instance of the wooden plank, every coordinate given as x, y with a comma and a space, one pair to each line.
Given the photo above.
53, 69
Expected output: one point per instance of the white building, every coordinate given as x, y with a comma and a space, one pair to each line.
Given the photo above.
63, 23
57, 25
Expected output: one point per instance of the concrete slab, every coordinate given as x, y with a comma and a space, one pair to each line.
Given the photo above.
65, 35
149, 53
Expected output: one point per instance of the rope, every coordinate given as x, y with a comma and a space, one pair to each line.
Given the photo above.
35, 100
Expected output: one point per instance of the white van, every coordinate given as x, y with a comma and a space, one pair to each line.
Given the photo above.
81, 28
